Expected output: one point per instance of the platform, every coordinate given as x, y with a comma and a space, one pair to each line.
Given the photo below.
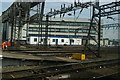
23, 56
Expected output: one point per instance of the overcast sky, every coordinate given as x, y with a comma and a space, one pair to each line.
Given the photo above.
55, 4
4, 4
62, 0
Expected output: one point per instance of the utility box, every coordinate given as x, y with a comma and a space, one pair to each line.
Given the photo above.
79, 56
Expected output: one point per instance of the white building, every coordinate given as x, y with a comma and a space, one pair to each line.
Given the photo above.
66, 27
112, 32
54, 40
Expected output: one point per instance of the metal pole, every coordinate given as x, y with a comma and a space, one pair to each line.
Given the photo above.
99, 33
88, 36
42, 12
75, 33
99, 29
19, 26
27, 20
46, 30
39, 21
15, 19
12, 27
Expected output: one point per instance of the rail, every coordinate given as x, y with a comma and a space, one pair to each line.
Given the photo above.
58, 69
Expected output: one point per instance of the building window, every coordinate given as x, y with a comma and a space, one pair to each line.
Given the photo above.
72, 41
24, 37
62, 40
28, 39
24, 29
41, 40
35, 39
53, 40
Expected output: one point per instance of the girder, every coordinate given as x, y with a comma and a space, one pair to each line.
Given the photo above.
63, 10
111, 25
109, 9
6, 15
17, 15
98, 12
22, 9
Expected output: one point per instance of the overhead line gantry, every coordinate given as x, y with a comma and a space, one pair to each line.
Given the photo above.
98, 12
18, 14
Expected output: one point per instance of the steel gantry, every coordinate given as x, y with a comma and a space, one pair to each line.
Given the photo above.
116, 25
98, 12
73, 7
53, 12
18, 14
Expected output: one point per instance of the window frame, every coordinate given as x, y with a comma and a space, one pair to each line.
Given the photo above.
53, 40
62, 40
35, 39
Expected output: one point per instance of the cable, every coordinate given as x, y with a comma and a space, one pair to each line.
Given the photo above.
79, 14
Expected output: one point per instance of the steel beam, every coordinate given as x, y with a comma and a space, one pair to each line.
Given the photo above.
98, 12
111, 25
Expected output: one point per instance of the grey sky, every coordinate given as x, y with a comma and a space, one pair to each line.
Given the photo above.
55, 4
62, 0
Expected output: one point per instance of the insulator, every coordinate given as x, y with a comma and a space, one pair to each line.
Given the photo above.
78, 1
63, 14
64, 5
74, 12
71, 5
75, 4
54, 11
60, 15
51, 10
61, 7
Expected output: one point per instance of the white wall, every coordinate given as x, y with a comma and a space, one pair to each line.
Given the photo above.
111, 33
77, 41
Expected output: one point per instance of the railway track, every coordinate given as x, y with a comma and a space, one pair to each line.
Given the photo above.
48, 71
47, 52
61, 49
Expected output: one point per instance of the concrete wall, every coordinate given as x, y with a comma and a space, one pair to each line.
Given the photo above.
102, 42
18, 62
111, 33
56, 33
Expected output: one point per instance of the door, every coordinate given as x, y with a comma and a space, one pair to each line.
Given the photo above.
70, 42
56, 41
